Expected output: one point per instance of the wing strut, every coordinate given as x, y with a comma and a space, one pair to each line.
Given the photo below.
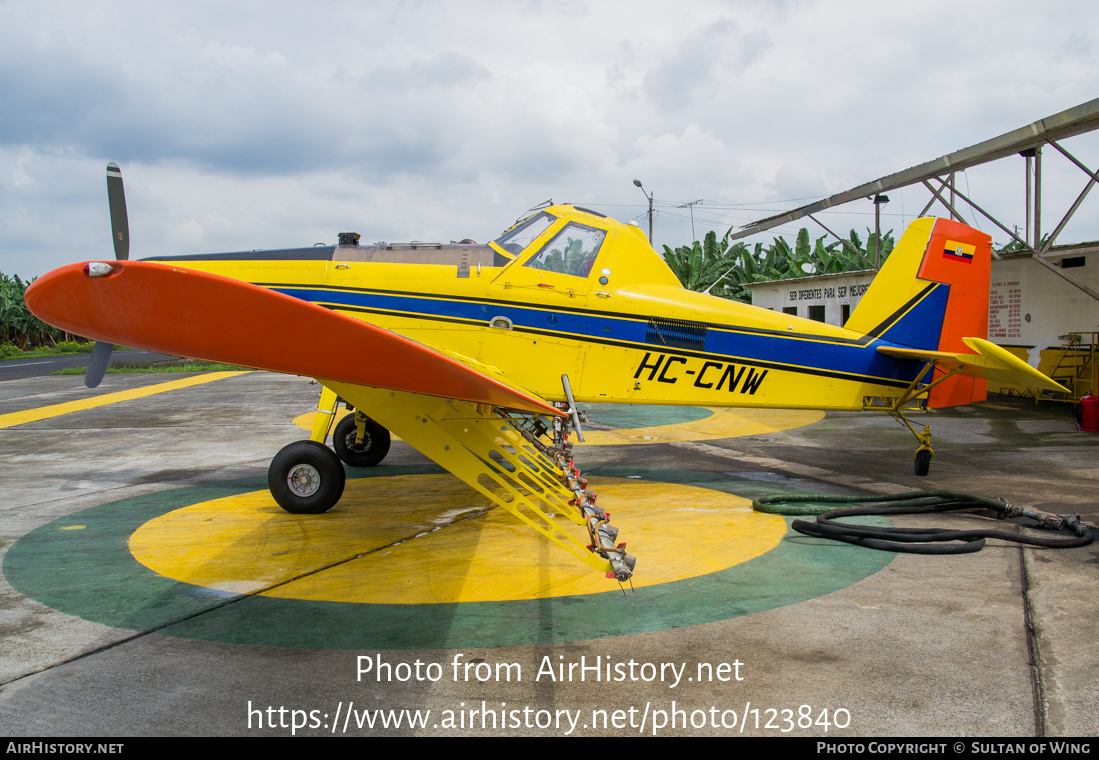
573, 414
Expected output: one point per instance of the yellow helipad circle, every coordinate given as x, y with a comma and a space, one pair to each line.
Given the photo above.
423, 539
724, 422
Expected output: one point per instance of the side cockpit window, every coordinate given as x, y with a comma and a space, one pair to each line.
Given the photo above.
515, 240
572, 251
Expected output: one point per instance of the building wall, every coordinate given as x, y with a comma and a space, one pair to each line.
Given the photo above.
1029, 305
1029, 309
832, 291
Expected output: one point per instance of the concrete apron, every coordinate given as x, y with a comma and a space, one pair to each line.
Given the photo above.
157, 592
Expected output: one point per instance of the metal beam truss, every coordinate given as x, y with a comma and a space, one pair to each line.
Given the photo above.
1026, 141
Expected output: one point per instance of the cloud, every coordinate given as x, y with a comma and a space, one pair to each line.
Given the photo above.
797, 182
443, 70
678, 159
266, 124
718, 52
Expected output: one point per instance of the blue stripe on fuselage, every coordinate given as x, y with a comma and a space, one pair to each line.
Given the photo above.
861, 361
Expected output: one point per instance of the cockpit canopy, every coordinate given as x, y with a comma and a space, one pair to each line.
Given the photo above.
571, 251
577, 242
519, 236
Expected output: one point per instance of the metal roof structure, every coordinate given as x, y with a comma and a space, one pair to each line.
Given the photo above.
1026, 141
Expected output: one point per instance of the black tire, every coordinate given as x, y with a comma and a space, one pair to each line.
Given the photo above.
923, 462
367, 454
306, 478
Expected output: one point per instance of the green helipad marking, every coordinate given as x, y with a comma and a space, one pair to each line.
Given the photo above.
644, 415
91, 574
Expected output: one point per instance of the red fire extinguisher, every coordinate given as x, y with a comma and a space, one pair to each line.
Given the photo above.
1086, 413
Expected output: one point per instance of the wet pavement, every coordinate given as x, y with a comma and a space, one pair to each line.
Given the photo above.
126, 609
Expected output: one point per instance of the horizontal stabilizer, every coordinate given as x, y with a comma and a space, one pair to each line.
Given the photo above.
990, 362
190, 313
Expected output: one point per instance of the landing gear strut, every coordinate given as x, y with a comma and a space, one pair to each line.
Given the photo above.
911, 394
360, 441
307, 477
924, 452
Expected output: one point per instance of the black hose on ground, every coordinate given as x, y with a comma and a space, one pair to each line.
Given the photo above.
919, 540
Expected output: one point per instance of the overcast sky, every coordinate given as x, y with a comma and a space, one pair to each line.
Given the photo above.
268, 125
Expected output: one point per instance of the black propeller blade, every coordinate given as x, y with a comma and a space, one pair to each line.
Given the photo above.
97, 363
120, 224
120, 232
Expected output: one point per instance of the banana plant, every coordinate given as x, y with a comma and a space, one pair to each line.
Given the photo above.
725, 270
18, 327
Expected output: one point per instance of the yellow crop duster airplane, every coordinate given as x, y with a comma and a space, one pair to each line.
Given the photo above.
477, 355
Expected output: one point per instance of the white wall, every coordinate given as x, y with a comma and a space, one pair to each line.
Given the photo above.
1031, 306
830, 290
1028, 304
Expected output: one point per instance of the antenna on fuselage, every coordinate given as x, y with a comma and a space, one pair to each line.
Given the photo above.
544, 204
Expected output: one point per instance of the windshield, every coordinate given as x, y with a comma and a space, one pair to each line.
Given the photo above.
572, 251
523, 234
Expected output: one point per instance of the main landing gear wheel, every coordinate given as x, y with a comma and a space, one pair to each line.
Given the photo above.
370, 452
306, 478
923, 461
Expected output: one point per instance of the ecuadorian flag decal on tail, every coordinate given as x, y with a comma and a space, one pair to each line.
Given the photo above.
959, 251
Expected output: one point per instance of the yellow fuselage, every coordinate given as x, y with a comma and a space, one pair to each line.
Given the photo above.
626, 332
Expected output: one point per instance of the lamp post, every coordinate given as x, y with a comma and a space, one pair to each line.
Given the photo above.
650, 198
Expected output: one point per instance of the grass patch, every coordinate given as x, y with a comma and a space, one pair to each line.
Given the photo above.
185, 365
8, 351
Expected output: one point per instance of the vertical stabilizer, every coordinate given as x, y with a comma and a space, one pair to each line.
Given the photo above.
931, 293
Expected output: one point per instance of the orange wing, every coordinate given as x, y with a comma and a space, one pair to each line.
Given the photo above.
206, 316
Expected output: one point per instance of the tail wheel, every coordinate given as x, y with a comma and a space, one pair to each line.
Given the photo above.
369, 452
306, 478
923, 461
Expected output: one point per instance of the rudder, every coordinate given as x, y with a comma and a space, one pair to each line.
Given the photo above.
931, 293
